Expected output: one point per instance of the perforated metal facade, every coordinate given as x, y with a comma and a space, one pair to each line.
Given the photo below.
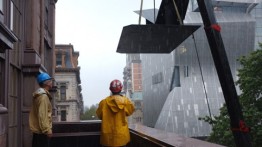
175, 103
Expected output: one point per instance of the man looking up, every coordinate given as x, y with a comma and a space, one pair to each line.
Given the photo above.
113, 111
40, 117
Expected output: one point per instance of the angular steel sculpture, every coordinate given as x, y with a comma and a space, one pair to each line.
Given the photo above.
169, 33
153, 38
162, 35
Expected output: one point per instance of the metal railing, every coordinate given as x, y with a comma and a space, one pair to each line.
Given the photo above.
83, 134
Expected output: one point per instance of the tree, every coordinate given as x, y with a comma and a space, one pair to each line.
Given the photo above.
90, 113
250, 84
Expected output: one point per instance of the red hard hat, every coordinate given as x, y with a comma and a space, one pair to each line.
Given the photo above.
116, 86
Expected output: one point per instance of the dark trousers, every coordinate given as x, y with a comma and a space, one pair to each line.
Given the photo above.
120, 146
40, 140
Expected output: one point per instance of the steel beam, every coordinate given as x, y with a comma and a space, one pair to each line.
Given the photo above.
242, 138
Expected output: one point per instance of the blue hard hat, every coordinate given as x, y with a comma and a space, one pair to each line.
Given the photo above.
43, 77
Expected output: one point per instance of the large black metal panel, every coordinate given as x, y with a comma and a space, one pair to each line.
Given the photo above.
153, 38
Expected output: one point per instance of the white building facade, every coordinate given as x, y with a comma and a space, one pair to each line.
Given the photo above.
69, 101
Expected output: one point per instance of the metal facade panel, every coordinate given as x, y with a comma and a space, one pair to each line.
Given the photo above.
178, 110
240, 1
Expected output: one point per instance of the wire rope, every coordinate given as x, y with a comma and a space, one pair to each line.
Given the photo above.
177, 13
154, 11
140, 13
201, 72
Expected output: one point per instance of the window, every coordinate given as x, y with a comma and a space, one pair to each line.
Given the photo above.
258, 12
47, 54
157, 78
46, 18
11, 16
1, 6
259, 22
259, 30
13, 86
63, 115
138, 105
129, 84
175, 78
46, 13
186, 71
1, 82
63, 92
58, 60
16, 27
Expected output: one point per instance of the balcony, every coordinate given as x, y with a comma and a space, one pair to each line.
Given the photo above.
83, 134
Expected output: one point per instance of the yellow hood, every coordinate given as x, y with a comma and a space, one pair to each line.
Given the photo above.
116, 102
41, 91
113, 111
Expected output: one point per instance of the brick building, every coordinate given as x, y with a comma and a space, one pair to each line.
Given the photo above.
27, 41
133, 85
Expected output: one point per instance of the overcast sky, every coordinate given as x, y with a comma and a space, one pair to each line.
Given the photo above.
94, 28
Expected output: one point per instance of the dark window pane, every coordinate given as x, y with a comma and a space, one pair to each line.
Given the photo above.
63, 92
63, 115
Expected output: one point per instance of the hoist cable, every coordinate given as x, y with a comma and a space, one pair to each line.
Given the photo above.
177, 12
140, 13
181, 22
154, 11
209, 111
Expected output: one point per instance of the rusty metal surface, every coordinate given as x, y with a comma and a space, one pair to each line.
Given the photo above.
171, 139
153, 38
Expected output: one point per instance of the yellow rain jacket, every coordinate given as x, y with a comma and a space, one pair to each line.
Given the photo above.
40, 117
113, 112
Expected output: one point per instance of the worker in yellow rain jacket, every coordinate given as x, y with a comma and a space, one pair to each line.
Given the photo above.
113, 111
40, 117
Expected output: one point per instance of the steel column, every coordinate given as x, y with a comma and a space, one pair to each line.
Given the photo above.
242, 139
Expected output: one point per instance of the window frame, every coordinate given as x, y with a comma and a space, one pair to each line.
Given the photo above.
63, 92
11, 25
2, 6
